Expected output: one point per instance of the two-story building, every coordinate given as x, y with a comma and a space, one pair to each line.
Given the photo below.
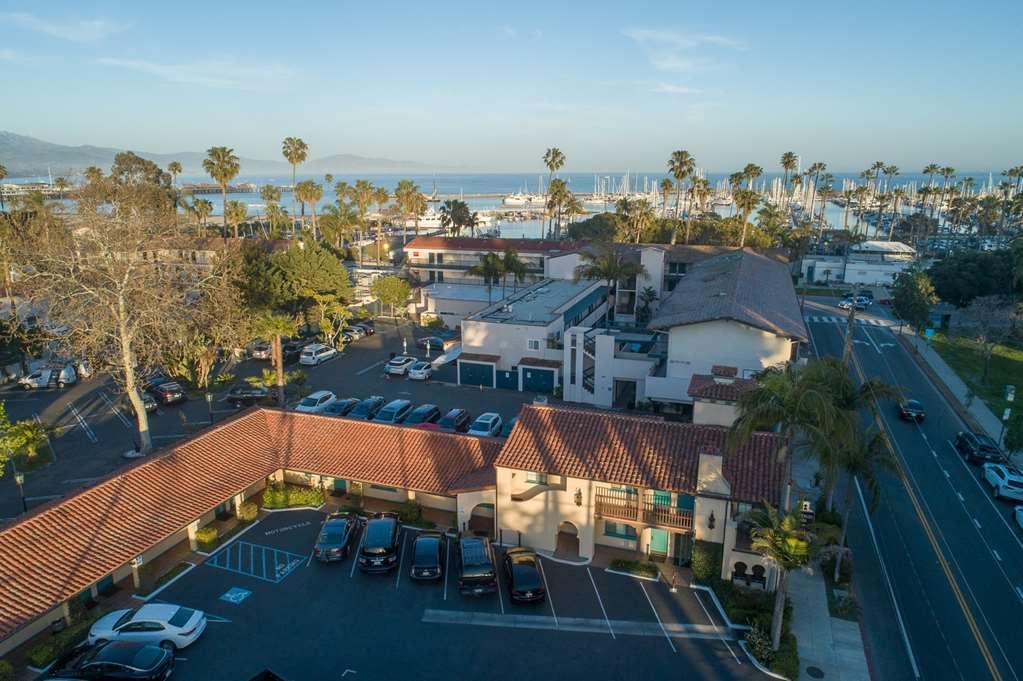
447, 259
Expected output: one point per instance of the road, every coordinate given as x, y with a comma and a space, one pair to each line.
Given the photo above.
939, 563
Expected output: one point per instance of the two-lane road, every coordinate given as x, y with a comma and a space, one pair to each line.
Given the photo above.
943, 561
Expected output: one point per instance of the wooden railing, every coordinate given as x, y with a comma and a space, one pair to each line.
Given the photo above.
621, 505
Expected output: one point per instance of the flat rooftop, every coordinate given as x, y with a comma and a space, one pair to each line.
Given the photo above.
538, 305
463, 292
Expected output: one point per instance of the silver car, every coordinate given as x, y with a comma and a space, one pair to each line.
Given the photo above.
170, 626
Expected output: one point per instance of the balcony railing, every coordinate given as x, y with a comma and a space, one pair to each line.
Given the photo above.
588, 379
622, 505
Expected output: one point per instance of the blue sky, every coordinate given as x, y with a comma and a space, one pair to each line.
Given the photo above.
615, 85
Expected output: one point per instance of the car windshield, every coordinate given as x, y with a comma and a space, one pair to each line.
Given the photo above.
426, 551
525, 576
419, 366
913, 404
309, 402
331, 536
147, 657
420, 415
378, 535
387, 414
181, 617
448, 421
124, 619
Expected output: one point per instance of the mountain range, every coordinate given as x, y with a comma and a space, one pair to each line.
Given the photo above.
25, 156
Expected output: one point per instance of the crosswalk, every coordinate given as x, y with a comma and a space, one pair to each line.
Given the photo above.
834, 319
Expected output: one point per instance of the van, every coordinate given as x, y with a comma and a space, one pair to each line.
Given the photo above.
476, 572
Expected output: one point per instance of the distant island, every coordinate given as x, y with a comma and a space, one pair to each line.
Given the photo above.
26, 156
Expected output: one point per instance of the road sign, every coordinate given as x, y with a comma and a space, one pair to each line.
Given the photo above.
137, 561
1010, 393
1006, 414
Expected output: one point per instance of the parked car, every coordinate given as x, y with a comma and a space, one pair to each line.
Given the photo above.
435, 342
340, 407
506, 429
168, 393
1019, 516
977, 446
245, 395
49, 377
367, 408
394, 411
420, 371
291, 351
427, 556
424, 413
261, 350
337, 536
487, 424
455, 421
476, 573
399, 365
522, 569
858, 302
1006, 482
367, 329
355, 332
911, 410
866, 293
148, 403
379, 552
316, 354
316, 402
114, 660
162, 623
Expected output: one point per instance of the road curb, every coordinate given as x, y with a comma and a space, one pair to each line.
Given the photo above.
756, 663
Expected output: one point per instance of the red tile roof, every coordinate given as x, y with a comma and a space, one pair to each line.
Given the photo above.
724, 370
638, 451
462, 243
540, 362
60, 549
702, 386
479, 357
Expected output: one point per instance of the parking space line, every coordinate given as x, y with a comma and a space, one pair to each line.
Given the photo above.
355, 558
115, 411
401, 558
500, 591
85, 426
717, 629
550, 599
601, 602
360, 372
648, 600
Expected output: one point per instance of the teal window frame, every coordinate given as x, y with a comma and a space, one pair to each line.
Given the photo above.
620, 531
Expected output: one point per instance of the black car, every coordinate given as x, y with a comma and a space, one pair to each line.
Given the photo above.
337, 535
168, 393
247, 395
340, 407
522, 568
394, 412
114, 660
978, 447
427, 556
291, 351
367, 328
911, 410
455, 421
506, 429
435, 342
476, 572
148, 403
424, 413
379, 552
367, 408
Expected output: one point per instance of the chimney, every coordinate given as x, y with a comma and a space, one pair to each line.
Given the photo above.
710, 478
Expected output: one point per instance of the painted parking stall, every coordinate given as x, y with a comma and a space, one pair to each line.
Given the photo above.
255, 560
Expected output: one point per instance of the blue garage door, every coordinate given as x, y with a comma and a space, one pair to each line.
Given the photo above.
509, 380
475, 373
537, 380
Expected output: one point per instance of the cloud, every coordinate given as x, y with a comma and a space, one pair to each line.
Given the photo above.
77, 31
672, 50
208, 73
672, 88
508, 31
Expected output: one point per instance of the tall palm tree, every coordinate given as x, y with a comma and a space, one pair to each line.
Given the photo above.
3, 176
782, 539
271, 197
295, 151
201, 209
236, 212
789, 163
750, 173
553, 158
746, 201
380, 198
403, 194
275, 327
897, 194
222, 165
681, 165
947, 173
174, 168
337, 223
605, 263
454, 216
418, 206
815, 169
310, 192
666, 186
489, 268
890, 172
512, 264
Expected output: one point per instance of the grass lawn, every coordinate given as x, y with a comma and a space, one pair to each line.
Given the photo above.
825, 291
43, 458
964, 356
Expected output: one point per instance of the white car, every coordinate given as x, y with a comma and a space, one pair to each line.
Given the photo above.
356, 331
400, 365
1006, 482
1019, 516
315, 354
170, 626
316, 402
487, 424
44, 378
420, 371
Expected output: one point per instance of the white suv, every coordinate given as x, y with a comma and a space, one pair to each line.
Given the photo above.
316, 402
317, 353
1006, 482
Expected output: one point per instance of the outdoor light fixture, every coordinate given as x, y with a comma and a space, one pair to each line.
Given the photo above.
19, 478
711, 521
578, 497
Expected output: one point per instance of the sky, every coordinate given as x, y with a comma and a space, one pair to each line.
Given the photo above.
488, 86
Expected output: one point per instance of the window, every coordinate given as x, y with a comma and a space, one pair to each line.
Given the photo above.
384, 488
619, 530
440, 258
536, 478
533, 344
440, 276
432, 258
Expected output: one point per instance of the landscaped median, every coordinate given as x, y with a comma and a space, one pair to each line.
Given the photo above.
638, 568
292, 496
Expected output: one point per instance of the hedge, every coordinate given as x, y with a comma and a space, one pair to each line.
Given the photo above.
635, 567
206, 537
248, 511
62, 642
410, 512
6, 671
706, 561
288, 496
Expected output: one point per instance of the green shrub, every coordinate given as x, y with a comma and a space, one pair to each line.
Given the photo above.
823, 515
786, 658
758, 641
248, 511
45, 653
206, 537
222, 380
636, 567
42, 655
6, 671
410, 512
288, 496
706, 562
435, 323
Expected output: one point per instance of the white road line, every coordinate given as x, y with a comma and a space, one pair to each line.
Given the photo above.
600, 602
115, 411
976, 522
447, 554
984, 492
500, 591
888, 580
355, 558
310, 561
168, 437
946, 473
44, 497
1019, 592
961, 497
717, 629
550, 600
401, 558
360, 372
661, 624
998, 557
81, 481
85, 426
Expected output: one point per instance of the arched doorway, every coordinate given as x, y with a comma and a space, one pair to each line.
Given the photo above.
481, 520
568, 541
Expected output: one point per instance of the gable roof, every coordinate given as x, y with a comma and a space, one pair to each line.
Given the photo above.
742, 286
463, 243
639, 451
725, 388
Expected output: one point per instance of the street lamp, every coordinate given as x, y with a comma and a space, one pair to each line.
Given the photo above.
209, 406
19, 478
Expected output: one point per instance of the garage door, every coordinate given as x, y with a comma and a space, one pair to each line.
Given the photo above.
537, 380
509, 380
475, 373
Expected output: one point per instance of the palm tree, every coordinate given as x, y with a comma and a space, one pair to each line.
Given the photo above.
454, 216
681, 165
296, 152
418, 206
815, 169
380, 198
271, 197
337, 223
606, 264
947, 173
236, 212
309, 192
489, 268
222, 165
746, 201
404, 195
201, 209
3, 176
789, 163
782, 539
512, 264
666, 186
553, 158
750, 173
275, 327
174, 168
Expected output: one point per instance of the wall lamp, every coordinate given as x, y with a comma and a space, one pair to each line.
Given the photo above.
711, 521
578, 497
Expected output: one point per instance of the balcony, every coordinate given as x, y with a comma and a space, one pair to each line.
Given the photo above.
621, 505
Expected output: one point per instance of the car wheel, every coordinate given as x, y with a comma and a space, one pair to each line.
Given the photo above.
168, 645
61, 384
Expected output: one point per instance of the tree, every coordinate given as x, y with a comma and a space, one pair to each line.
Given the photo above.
637, 216
223, 166
553, 158
309, 192
746, 201
275, 327
174, 168
455, 216
512, 264
295, 151
782, 539
646, 299
22, 438
338, 224
681, 165
380, 198
391, 290
489, 268
236, 213
962, 276
913, 297
605, 263
987, 319
275, 215
789, 164
200, 209
306, 274
600, 227
3, 176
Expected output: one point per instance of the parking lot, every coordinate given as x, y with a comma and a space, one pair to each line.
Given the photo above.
94, 429
307, 620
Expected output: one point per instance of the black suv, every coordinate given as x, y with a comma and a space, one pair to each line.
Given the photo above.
978, 447
367, 409
424, 413
247, 395
428, 556
455, 421
476, 572
379, 552
337, 536
168, 393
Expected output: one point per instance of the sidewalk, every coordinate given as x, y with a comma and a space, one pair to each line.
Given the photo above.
826, 644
